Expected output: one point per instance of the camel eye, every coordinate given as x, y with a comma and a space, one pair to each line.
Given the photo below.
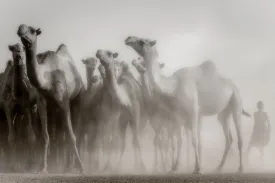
141, 42
32, 30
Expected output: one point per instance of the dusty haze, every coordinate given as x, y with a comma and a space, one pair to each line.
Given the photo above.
237, 35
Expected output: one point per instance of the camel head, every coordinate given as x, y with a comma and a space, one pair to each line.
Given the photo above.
101, 70
90, 62
140, 45
95, 79
28, 35
139, 67
18, 53
106, 57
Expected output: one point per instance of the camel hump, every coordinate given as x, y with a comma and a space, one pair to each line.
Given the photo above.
208, 66
62, 49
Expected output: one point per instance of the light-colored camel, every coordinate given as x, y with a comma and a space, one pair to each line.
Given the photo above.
160, 119
58, 83
112, 127
103, 114
94, 85
124, 93
24, 95
191, 93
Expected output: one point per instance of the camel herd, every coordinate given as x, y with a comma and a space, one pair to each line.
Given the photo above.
49, 118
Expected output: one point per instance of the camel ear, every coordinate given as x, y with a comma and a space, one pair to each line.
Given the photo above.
38, 31
115, 55
153, 43
9, 63
11, 48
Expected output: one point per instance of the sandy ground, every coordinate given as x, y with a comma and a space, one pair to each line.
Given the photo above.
32, 178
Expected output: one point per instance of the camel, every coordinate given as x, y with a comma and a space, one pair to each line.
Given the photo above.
24, 96
54, 75
111, 127
7, 105
159, 118
191, 93
124, 93
94, 85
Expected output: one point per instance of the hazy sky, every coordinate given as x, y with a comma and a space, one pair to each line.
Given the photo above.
238, 35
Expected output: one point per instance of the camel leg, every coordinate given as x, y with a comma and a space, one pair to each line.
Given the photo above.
92, 147
136, 142
156, 147
248, 151
237, 115
179, 145
42, 109
194, 122
199, 138
187, 147
20, 139
11, 136
223, 117
162, 146
173, 149
70, 134
31, 137
122, 127
73, 118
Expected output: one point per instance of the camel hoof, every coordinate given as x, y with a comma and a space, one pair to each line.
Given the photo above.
171, 172
143, 168
198, 172
240, 170
15, 169
81, 172
218, 170
43, 172
174, 167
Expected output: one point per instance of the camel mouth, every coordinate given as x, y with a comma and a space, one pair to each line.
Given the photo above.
26, 41
127, 43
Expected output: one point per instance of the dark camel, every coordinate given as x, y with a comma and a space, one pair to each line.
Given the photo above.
24, 95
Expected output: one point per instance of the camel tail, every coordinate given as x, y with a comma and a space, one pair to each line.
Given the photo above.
245, 113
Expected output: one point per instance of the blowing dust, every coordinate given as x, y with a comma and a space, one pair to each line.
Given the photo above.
213, 145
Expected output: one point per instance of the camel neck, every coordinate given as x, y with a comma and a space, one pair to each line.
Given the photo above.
146, 90
18, 79
152, 67
114, 88
4, 79
32, 65
159, 84
89, 75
